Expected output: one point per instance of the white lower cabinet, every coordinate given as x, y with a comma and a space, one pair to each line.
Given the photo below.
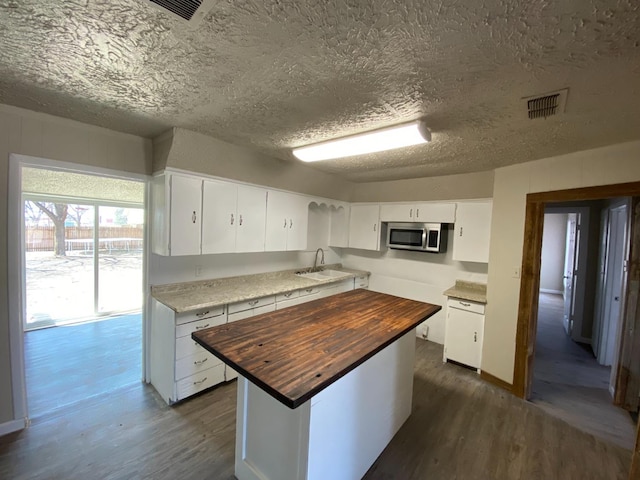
464, 332
179, 366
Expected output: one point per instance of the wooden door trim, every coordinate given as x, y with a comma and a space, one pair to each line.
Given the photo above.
530, 271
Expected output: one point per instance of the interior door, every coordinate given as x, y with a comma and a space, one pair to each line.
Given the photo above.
570, 271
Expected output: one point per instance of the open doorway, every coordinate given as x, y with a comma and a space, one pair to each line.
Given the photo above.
582, 244
82, 291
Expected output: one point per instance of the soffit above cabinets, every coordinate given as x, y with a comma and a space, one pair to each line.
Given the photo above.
275, 74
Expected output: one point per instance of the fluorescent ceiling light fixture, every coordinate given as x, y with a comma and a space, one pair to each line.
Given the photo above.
381, 140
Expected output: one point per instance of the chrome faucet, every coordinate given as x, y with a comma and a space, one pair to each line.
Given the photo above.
315, 260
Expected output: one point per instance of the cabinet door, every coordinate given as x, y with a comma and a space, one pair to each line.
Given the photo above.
277, 222
186, 208
219, 217
298, 222
252, 216
472, 232
397, 213
364, 227
435, 212
463, 338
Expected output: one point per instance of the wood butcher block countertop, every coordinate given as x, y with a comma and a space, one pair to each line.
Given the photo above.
294, 353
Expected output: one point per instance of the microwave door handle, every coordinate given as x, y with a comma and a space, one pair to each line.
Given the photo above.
425, 235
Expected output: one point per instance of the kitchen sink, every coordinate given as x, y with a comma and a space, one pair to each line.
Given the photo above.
325, 275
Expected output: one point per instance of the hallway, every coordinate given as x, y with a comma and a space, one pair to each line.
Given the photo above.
569, 383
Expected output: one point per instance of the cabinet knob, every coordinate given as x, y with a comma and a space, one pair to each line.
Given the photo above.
417, 213
411, 213
240, 219
460, 232
285, 223
374, 227
232, 219
290, 223
193, 217
475, 336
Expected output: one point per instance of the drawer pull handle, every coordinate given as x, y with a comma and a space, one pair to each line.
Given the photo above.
308, 290
475, 336
288, 294
232, 219
200, 362
202, 314
200, 381
253, 302
465, 304
202, 326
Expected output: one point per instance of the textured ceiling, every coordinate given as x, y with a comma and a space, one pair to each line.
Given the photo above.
274, 74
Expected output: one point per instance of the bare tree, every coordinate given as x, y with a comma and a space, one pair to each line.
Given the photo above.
32, 214
57, 212
76, 212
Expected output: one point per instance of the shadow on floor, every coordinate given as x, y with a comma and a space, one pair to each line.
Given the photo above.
568, 382
68, 364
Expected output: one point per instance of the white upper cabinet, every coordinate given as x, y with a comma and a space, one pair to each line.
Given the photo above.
364, 227
287, 220
472, 232
220, 217
252, 218
428, 212
186, 210
177, 209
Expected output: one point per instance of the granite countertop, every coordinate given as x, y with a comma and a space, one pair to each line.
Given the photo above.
189, 296
475, 292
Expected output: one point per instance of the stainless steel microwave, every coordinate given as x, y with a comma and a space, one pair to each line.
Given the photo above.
422, 237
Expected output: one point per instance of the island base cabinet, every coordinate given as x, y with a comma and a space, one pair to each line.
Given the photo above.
464, 332
338, 434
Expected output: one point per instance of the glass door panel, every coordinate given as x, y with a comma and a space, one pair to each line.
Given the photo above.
59, 265
120, 237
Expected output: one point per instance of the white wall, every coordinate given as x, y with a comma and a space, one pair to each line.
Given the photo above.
418, 276
553, 250
608, 165
45, 136
163, 270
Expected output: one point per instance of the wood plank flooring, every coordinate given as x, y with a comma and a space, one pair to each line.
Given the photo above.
461, 428
68, 364
569, 383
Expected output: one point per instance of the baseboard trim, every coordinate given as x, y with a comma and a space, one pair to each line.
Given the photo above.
548, 290
12, 426
487, 377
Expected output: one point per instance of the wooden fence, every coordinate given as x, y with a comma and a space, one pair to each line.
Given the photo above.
41, 239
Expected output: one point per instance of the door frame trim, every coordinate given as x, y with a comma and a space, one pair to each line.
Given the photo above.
531, 261
15, 267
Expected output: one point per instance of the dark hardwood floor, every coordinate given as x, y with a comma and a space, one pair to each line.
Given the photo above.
461, 428
69, 364
569, 383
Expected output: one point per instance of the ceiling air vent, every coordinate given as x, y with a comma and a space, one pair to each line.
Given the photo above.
189, 10
546, 105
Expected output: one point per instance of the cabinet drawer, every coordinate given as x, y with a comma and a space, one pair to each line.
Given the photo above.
248, 304
195, 363
188, 328
234, 317
287, 296
199, 314
467, 305
362, 281
186, 346
198, 382
309, 291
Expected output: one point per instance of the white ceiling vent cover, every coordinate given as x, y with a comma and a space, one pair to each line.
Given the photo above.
192, 11
546, 105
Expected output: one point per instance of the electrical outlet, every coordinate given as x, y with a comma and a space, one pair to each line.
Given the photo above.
198, 270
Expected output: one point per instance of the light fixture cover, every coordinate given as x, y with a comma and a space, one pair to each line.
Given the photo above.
389, 138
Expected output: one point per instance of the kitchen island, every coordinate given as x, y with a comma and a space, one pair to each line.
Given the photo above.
323, 386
